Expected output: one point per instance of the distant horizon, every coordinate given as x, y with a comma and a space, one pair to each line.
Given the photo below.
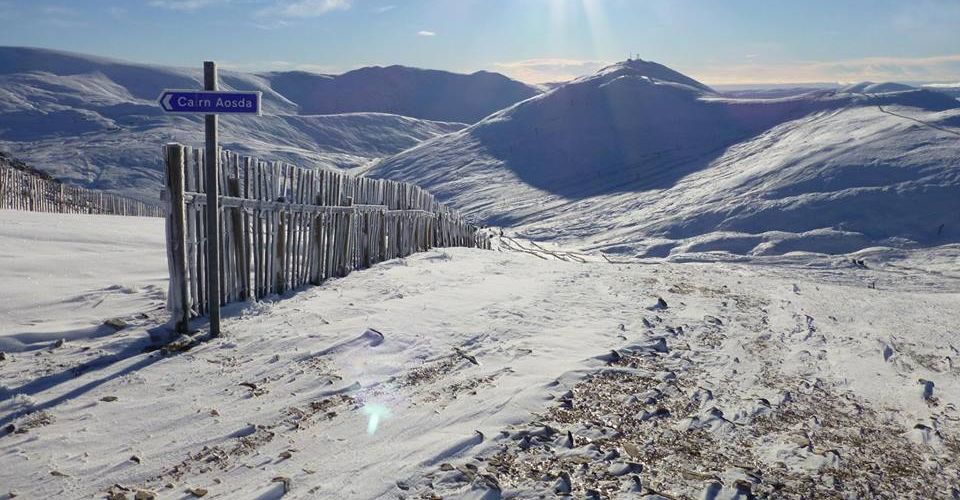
725, 86
739, 42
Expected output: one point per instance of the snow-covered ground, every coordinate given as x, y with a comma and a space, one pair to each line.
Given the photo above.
62, 276
468, 373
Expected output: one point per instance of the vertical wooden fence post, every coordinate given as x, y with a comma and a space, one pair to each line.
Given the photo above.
179, 298
212, 162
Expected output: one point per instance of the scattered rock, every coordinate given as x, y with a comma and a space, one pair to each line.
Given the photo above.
135, 458
468, 470
632, 450
145, 495
659, 344
116, 323
613, 357
466, 356
568, 441
563, 486
618, 469
59, 343
525, 442
59, 474
927, 388
287, 483
197, 492
887, 352
660, 305
636, 485
255, 390
491, 482
713, 320
109, 399
286, 455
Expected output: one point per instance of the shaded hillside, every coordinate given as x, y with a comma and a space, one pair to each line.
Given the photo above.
95, 121
425, 94
637, 160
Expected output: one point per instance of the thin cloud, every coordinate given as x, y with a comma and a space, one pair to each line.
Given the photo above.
117, 12
58, 10
426, 33
547, 70
305, 8
185, 5
383, 9
61, 17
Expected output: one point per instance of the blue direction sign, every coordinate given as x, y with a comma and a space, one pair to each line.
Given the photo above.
210, 102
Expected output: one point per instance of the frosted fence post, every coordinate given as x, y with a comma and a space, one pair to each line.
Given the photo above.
179, 298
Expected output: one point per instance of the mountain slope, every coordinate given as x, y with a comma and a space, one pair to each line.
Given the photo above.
639, 161
876, 88
425, 94
95, 121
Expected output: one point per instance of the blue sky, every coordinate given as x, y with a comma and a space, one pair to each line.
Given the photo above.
731, 41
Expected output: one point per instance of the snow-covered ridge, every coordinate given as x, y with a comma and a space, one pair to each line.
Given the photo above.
637, 160
95, 122
426, 94
876, 88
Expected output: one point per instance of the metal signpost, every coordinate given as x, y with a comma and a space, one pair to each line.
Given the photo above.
211, 102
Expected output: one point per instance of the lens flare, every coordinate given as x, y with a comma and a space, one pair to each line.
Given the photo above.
375, 413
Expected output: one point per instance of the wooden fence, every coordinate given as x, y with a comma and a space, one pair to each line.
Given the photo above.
21, 190
283, 227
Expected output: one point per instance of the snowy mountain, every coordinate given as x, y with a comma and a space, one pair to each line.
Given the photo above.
875, 88
425, 94
641, 160
950, 89
95, 122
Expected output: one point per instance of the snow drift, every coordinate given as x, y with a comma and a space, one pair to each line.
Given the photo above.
642, 160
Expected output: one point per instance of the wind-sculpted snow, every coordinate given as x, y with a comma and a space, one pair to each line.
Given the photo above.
626, 162
465, 373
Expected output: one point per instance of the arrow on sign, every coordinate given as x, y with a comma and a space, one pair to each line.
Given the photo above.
210, 102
